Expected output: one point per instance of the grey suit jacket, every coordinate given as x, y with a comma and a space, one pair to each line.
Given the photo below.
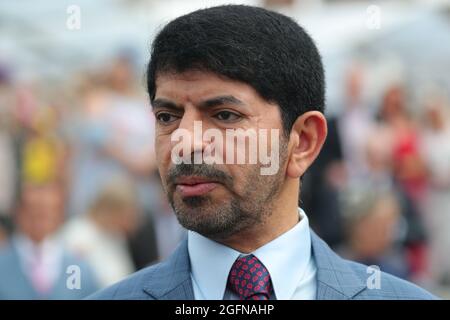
337, 279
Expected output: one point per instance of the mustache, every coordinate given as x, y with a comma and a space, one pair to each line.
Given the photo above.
200, 170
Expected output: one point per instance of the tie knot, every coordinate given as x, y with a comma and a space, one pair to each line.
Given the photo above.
250, 279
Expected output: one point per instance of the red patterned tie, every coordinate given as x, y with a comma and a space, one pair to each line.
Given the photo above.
249, 279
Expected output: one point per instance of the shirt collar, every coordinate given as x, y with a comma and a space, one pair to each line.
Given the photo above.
210, 264
50, 244
50, 249
286, 258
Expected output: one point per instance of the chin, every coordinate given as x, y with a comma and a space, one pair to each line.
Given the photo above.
195, 202
196, 207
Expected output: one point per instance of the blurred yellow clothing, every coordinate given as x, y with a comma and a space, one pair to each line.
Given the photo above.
40, 157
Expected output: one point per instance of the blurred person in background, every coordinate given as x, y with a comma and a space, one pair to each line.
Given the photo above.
129, 130
34, 264
371, 221
100, 235
341, 161
436, 152
114, 136
42, 149
355, 123
402, 136
87, 136
408, 165
8, 167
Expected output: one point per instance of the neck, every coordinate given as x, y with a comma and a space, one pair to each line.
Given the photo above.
283, 217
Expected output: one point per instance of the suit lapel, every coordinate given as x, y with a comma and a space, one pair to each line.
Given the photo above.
336, 280
171, 280
17, 272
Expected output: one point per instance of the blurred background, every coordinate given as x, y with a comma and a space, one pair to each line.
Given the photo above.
78, 180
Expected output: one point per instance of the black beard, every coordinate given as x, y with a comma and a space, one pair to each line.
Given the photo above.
219, 220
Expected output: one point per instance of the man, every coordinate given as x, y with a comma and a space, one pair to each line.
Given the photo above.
35, 265
232, 68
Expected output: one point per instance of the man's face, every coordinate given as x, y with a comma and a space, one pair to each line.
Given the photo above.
223, 198
41, 212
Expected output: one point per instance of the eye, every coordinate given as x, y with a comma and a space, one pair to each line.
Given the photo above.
227, 116
165, 118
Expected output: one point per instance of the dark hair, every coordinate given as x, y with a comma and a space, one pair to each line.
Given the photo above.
265, 49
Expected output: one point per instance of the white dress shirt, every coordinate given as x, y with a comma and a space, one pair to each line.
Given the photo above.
50, 263
287, 258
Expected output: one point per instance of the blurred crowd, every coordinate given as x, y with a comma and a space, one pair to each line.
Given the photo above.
78, 183
379, 192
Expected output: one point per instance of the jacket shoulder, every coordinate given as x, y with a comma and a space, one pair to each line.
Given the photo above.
130, 288
164, 280
381, 285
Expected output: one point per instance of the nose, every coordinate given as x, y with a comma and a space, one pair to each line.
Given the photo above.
187, 140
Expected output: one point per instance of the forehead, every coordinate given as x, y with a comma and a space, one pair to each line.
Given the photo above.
44, 194
193, 86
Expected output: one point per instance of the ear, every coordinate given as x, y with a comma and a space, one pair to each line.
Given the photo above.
305, 142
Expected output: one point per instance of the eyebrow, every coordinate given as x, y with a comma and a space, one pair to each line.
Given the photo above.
210, 103
166, 104
220, 101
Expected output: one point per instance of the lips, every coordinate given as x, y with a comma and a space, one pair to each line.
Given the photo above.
194, 186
